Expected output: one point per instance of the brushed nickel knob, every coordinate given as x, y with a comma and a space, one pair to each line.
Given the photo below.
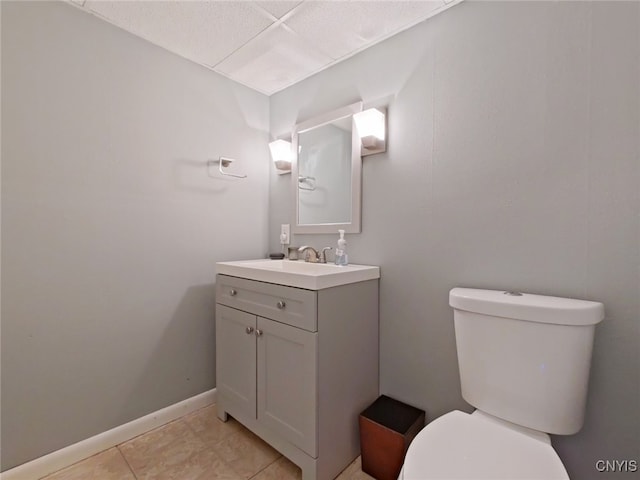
249, 330
233, 292
281, 305
258, 332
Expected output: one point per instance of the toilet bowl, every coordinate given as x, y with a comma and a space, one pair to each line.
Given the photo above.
466, 446
524, 365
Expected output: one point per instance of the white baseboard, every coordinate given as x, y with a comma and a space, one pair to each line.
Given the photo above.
64, 457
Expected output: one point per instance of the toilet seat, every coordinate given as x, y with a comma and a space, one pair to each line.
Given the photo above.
463, 446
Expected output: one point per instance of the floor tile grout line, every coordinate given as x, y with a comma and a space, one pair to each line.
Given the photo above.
266, 466
127, 462
176, 421
213, 446
210, 445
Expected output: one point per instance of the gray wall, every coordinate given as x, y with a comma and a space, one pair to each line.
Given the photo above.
512, 163
110, 224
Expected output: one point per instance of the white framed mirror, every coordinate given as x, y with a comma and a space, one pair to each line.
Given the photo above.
327, 173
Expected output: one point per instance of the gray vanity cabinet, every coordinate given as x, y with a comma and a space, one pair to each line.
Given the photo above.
287, 386
297, 366
236, 358
268, 371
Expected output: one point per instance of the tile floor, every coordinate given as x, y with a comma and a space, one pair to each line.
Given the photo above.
197, 446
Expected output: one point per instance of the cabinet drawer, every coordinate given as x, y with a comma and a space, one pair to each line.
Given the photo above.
292, 306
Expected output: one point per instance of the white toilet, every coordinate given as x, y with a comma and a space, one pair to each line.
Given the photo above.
524, 364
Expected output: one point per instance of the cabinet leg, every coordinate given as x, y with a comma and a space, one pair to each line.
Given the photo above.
222, 415
309, 473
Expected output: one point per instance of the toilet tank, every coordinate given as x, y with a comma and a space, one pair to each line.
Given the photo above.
525, 358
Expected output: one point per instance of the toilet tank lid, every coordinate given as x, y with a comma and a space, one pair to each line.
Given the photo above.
526, 306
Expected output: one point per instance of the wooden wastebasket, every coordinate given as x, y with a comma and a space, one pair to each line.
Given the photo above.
387, 427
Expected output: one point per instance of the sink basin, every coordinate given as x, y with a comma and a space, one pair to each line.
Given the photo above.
311, 276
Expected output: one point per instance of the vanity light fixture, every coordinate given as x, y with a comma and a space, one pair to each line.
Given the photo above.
282, 155
371, 125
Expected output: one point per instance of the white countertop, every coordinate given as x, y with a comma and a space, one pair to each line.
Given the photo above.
297, 273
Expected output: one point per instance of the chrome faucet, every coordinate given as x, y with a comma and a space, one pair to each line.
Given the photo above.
312, 255
323, 255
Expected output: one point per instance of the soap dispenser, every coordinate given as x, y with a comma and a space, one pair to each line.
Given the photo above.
341, 252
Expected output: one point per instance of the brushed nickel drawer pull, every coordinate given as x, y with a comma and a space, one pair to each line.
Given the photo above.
249, 330
258, 332
233, 292
281, 305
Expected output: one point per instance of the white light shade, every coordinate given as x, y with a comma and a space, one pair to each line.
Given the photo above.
281, 154
370, 123
371, 129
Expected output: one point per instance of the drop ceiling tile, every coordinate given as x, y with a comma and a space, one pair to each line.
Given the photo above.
204, 31
275, 59
265, 44
278, 8
340, 28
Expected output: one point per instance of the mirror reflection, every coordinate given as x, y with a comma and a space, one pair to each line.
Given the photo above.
326, 173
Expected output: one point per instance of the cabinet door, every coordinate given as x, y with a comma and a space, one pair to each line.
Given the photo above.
287, 379
236, 359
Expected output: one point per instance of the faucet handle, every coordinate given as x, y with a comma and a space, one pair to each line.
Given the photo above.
323, 255
310, 254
